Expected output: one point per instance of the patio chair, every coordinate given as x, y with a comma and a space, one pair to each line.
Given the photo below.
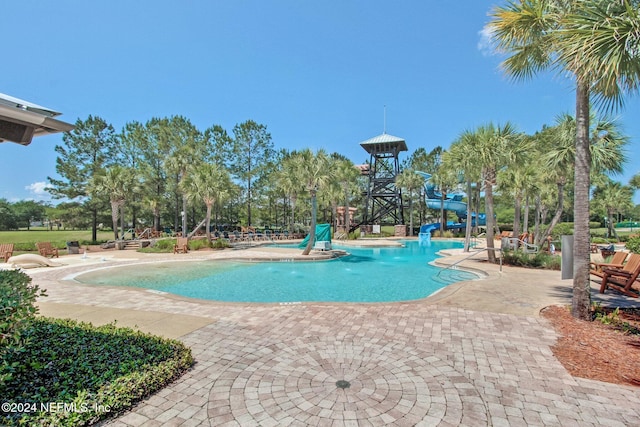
607, 251
622, 279
47, 250
181, 246
6, 251
617, 261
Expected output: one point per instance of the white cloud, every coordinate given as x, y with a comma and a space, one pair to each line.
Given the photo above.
485, 44
38, 189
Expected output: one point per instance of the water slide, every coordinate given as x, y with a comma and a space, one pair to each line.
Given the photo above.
452, 202
323, 234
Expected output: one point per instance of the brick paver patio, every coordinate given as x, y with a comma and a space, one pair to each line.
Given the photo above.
402, 364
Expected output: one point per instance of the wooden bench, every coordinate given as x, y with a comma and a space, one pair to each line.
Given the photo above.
47, 250
6, 251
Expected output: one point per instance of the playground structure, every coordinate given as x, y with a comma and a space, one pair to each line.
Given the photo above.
452, 202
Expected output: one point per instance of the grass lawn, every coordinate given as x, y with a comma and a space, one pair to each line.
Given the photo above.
26, 240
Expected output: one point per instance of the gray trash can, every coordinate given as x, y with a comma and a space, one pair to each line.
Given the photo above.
73, 247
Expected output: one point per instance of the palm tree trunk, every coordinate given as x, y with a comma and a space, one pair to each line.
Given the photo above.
312, 232
525, 224
121, 206
249, 199
611, 229
517, 214
411, 213
558, 215
294, 199
208, 222
94, 225
536, 219
488, 203
347, 214
443, 222
114, 218
184, 216
581, 301
468, 225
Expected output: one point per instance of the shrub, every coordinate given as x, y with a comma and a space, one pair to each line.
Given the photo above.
102, 369
538, 260
221, 244
17, 311
447, 234
563, 229
196, 244
633, 244
160, 246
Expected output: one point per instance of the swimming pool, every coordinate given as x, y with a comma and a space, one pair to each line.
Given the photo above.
367, 275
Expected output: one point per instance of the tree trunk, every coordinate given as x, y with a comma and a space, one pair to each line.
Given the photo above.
121, 206
347, 214
411, 213
208, 222
488, 203
525, 224
581, 301
114, 218
558, 215
536, 220
249, 203
468, 225
517, 214
312, 232
443, 222
611, 229
185, 227
94, 225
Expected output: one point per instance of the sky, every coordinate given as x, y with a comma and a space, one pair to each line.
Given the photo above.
318, 74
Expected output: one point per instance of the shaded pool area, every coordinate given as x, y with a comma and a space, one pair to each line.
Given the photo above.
366, 275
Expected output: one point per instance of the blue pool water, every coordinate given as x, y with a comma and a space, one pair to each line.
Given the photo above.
367, 275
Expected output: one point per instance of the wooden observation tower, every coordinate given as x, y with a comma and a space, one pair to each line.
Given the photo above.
384, 199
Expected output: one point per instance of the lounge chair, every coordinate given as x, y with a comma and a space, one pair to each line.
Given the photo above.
181, 246
622, 279
6, 251
607, 251
47, 250
617, 261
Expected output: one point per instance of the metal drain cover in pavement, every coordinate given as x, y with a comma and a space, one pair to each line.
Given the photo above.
343, 384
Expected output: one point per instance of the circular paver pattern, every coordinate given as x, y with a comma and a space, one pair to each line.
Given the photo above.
309, 380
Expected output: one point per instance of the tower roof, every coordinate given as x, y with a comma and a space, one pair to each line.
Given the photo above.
383, 144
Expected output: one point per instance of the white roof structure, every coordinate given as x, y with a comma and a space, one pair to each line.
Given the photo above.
21, 120
384, 143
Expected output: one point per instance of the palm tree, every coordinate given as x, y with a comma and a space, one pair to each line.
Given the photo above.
517, 167
410, 181
187, 150
288, 181
460, 157
491, 147
597, 42
208, 183
313, 172
345, 174
118, 183
612, 198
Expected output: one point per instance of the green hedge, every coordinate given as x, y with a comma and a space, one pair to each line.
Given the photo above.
17, 311
633, 244
539, 260
89, 372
